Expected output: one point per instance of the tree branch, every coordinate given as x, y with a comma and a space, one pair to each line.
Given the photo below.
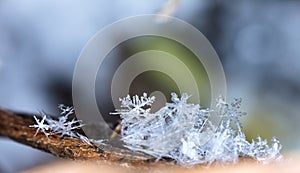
16, 127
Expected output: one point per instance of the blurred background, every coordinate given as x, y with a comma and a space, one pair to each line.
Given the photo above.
257, 42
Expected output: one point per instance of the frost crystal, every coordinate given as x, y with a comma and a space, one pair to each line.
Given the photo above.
177, 131
40, 126
62, 126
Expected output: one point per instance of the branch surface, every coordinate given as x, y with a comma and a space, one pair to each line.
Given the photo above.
16, 127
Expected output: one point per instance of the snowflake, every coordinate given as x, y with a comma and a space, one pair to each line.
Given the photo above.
62, 126
177, 131
66, 110
40, 126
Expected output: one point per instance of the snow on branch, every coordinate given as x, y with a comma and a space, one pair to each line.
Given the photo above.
63, 126
177, 131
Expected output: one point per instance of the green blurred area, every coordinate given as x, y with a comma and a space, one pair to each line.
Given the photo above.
267, 123
162, 82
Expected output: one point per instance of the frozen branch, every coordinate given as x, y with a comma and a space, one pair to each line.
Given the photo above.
16, 127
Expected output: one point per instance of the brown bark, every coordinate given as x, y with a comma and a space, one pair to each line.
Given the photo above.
16, 127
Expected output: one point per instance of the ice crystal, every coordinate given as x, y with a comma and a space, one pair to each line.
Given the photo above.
63, 126
177, 131
40, 125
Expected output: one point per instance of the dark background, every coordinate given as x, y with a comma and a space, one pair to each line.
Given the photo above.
257, 42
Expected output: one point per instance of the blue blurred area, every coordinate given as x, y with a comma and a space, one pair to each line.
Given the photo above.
257, 41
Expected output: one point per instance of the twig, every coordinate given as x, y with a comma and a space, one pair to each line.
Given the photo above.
16, 127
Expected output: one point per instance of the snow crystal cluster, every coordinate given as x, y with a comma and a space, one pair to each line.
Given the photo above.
63, 126
177, 131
